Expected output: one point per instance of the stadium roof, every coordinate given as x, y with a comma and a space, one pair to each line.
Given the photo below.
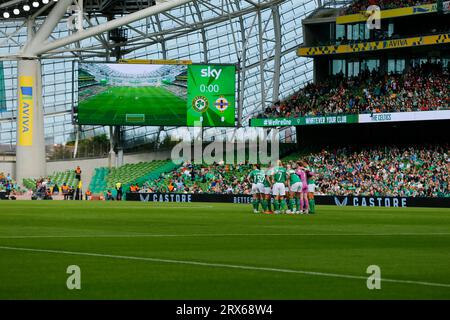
91, 7
260, 36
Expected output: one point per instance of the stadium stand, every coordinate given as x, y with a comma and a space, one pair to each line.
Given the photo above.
412, 171
30, 184
407, 171
67, 177
98, 180
56, 179
181, 80
7, 183
107, 75
189, 178
105, 179
361, 5
85, 79
422, 88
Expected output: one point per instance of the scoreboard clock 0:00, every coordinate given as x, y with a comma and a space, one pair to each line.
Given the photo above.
211, 95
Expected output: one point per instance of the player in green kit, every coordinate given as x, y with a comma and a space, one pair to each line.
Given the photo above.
256, 178
279, 179
295, 187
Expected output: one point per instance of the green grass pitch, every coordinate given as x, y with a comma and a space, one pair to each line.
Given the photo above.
110, 107
134, 250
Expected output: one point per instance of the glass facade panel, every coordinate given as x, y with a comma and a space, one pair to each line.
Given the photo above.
225, 37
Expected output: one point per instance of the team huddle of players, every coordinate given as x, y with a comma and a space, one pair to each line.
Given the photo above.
292, 188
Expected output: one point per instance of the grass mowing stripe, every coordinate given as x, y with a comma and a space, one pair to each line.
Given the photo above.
223, 265
227, 235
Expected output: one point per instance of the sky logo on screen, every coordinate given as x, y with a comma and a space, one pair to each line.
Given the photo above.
211, 73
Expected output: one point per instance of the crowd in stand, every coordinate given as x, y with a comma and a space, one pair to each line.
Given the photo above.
394, 171
45, 188
421, 88
189, 178
8, 184
362, 5
413, 171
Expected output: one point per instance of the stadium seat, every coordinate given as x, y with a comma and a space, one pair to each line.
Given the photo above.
105, 179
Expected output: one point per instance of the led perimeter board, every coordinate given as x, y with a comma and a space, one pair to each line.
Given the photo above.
156, 94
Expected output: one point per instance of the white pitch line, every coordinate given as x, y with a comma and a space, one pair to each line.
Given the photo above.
223, 265
226, 235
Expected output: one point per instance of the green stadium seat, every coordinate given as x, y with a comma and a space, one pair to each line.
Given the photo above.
104, 178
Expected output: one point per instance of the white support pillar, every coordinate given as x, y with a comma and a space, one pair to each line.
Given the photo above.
112, 159
112, 153
118, 144
30, 145
77, 137
30, 135
120, 157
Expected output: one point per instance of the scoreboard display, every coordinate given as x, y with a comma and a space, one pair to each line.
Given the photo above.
211, 95
156, 94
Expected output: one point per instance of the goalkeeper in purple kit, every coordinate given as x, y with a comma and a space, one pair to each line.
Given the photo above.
304, 204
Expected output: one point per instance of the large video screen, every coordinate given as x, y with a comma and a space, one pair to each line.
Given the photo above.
156, 94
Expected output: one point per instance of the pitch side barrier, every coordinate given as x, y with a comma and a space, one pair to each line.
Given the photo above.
341, 201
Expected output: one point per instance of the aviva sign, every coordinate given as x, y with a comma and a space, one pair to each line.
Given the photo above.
392, 13
26, 105
374, 45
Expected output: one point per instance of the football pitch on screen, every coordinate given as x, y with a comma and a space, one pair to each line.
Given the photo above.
134, 250
133, 106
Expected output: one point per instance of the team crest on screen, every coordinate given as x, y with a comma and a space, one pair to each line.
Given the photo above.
221, 104
200, 104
